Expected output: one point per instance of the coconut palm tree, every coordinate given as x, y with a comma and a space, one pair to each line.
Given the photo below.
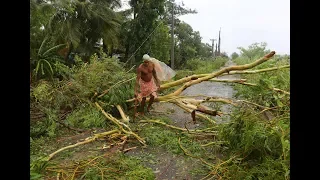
82, 23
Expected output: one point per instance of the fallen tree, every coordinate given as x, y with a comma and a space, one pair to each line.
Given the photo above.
186, 103
195, 79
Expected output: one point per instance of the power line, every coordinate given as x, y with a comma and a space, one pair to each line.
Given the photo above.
143, 42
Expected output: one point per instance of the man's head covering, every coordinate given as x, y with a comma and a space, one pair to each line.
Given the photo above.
146, 57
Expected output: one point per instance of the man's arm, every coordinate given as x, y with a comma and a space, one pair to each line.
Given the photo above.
156, 77
137, 81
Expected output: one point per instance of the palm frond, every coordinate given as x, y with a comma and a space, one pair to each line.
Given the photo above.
42, 69
69, 31
126, 13
42, 45
53, 48
46, 8
113, 4
37, 67
49, 66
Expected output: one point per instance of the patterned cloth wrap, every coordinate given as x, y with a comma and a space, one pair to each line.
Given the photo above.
147, 88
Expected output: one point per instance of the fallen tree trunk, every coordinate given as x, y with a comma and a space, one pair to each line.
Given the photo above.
194, 106
253, 71
215, 74
196, 76
242, 81
184, 107
274, 89
194, 79
90, 139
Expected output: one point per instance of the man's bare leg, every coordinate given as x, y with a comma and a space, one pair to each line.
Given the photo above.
143, 102
150, 103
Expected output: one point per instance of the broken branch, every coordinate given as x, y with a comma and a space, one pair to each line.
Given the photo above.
224, 70
120, 124
123, 115
188, 154
178, 128
120, 82
96, 136
182, 106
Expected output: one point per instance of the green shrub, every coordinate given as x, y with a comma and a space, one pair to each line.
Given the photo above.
75, 95
86, 116
262, 146
205, 66
262, 94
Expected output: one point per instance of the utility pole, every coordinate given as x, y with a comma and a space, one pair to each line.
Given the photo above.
172, 38
213, 46
216, 51
219, 43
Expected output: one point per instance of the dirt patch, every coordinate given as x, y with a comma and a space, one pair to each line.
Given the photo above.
167, 165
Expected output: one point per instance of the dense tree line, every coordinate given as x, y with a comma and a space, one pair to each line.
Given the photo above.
61, 29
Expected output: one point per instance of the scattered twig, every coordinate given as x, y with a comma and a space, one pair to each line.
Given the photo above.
188, 154
162, 123
120, 125
129, 149
178, 128
131, 68
212, 143
266, 109
120, 82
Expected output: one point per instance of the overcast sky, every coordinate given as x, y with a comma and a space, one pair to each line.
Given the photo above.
242, 22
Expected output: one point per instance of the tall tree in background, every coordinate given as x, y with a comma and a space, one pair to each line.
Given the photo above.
185, 48
254, 50
144, 28
178, 10
234, 55
189, 45
146, 15
150, 28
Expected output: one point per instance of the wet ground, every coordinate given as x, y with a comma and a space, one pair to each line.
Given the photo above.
218, 89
